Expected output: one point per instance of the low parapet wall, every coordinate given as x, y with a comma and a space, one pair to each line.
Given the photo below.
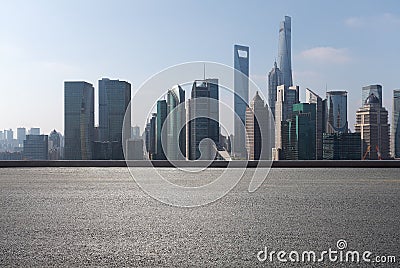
215, 164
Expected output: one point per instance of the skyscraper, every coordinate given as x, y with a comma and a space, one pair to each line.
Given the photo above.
21, 135
395, 133
298, 133
372, 123
151, 140
275, 79
176, 129
161, 116
241, 98
78, 120
257, 123
342, 146
285, 51
368, 90
114, 98
286, 97
36, 147
202, 120
312, 97
336, 114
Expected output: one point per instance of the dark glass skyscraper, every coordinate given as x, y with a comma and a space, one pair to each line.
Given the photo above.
78, 120
275, 79
395, 138
114, 98
336, 112
298, 133
285, 51
312, 97
241, 98
36, 147
342, 146
203, 119
161, 116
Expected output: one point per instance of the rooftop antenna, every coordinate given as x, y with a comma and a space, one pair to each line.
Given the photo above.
204, 71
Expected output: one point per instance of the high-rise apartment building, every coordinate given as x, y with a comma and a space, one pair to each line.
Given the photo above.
258, 142
336, 112
395, 133
241, 98
78, 120
285, 51
114, 99
372, 123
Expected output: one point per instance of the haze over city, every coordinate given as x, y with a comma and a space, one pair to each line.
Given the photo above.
335, 46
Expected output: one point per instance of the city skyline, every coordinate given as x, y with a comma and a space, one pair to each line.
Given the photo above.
41, 50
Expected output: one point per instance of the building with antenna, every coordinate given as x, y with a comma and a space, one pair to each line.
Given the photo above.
241, 98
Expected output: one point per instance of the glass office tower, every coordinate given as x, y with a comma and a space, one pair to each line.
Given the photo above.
160, 135
336, 112
114, 98
78, 120
241, 98
203, 119
395, 133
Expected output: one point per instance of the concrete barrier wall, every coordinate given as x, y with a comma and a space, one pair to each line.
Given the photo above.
215, 164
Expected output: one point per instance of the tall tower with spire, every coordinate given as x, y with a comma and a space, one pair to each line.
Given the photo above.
285, 51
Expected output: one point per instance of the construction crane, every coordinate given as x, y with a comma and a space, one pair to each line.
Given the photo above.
369, 150
366, 153
378, 152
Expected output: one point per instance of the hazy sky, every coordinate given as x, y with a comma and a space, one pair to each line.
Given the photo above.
343, 45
